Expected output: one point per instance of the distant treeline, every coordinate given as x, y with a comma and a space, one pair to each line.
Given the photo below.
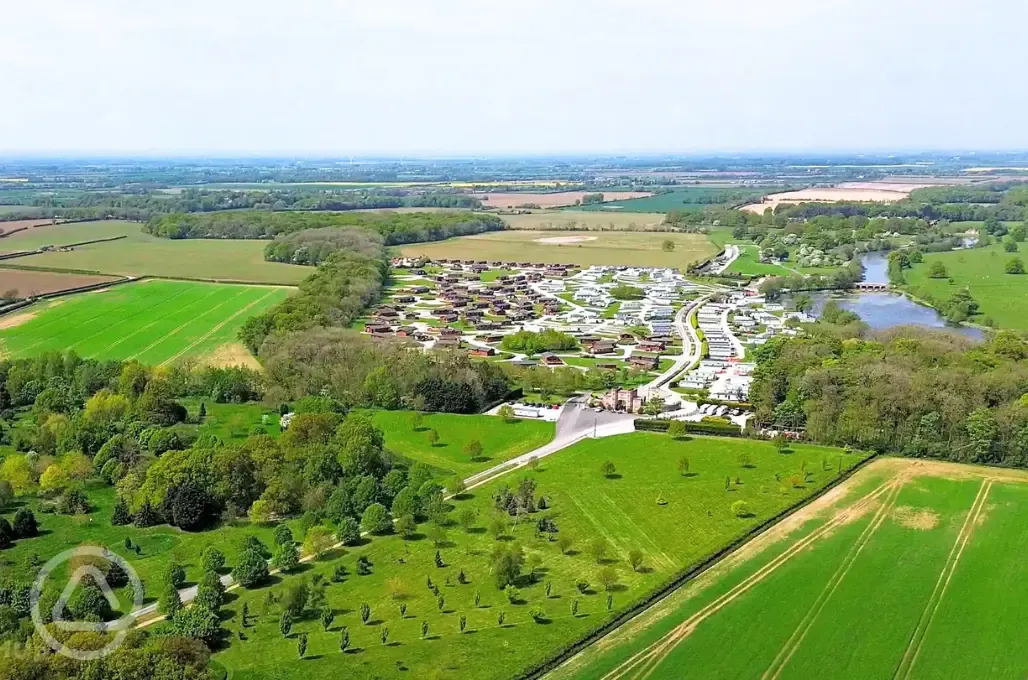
954, 212
142, 206
395, 228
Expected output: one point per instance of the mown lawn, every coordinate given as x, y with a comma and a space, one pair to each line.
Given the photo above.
1003, 297
500, 440
749, 263
622, 510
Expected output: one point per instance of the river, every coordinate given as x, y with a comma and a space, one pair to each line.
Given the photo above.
885, 310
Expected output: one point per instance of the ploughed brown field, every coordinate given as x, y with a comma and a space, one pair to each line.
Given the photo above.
555, 200
29, 283
18, 225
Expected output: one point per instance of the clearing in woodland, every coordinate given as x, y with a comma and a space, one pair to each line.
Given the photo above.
908, 570
153, 321
633, 249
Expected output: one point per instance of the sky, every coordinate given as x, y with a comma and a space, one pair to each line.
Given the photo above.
467, 77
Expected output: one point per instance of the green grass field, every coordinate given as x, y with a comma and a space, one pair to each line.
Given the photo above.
1002, 296
153, 321
676, 200
500, 440
910, 573
141, 254
622, 510
640, 249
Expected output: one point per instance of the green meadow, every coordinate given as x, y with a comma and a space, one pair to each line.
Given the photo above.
1003, 297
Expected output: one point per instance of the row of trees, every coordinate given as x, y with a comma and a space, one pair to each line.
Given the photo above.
843, 278
148, 203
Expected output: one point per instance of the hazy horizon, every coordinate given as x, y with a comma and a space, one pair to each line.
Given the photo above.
403, 79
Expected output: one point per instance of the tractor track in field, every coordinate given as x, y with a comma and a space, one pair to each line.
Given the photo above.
176, 330
906, 664
217, 328
643, 663
156, 321
796, 639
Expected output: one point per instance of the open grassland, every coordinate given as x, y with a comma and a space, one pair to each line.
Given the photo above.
580, 220
621, 510
551, 200
907, 571
602, 248
140, 254
1002, 296
152, 321
33, 283
500, 440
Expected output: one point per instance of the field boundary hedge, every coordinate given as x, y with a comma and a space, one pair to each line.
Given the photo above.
682, 579
652, 425
230, 282
53, 270
61, 293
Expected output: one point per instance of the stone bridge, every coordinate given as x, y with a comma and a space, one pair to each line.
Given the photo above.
864, 285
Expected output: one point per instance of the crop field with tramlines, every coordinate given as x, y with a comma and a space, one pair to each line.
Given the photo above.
152, 321
912, 569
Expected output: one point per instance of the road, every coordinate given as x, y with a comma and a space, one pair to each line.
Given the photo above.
691, 348
740, 351
576, 422
731, 255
